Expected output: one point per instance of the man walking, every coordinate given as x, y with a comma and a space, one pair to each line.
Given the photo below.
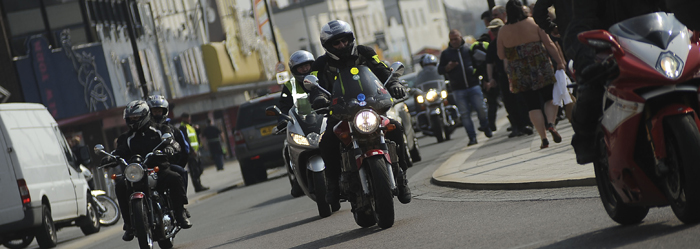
193, 163
456, 65
213, 135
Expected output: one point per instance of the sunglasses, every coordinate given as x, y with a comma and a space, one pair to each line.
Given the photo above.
337, 42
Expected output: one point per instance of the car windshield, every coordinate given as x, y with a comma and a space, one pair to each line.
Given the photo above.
254, 114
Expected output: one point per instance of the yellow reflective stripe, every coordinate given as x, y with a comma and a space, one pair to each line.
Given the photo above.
341, 83
314, 73
376, 58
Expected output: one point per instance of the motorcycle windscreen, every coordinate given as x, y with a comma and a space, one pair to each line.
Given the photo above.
658, 29
428, 74
357, 88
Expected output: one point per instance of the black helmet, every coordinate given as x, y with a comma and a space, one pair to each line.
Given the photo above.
428, 59
298, 58
158, 101
137, 108
333, 31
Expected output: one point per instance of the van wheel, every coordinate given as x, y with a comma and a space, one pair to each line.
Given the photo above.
19, 243
90, 223
46, 233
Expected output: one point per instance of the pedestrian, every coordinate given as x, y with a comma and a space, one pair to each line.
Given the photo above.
194, 164
524, 47
213, 136
499, 11
496, 78
456, 65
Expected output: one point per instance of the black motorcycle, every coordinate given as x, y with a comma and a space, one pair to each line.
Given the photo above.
370, 167
152, 213
436, 116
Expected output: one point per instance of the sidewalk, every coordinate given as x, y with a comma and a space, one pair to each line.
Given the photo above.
222, 181
514, 163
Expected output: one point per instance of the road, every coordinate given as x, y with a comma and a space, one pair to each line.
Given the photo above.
266, 216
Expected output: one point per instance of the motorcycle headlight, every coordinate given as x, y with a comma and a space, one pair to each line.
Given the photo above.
443, 94
420, 99
299, 139
431, 95
669, 65
133, 172
313, 138
366, 121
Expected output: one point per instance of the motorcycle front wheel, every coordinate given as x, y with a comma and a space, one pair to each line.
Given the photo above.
383, 201
324, 209
437, 129
681, 185
143, 232
111, 214
616, 209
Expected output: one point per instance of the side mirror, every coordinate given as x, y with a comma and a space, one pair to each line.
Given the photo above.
272, 111
166, 136
600, 40
397, 68
310, 82
99, 148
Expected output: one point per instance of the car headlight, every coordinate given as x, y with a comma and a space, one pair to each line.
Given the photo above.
133, 172
299, 139
669, 65
431, 95
443, 94
366, 121
420, 99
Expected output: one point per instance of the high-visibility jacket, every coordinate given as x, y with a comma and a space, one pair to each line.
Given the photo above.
191, 136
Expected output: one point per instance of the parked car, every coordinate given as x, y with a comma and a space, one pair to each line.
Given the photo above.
257, 148
41, 185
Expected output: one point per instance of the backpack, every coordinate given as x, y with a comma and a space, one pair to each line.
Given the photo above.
478, 54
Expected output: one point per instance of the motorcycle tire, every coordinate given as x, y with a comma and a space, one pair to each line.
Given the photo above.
448, 132
166, 243
614, 206
46, 233
415, 152
437, 128
681, 186
363, 219
112, 214
19, 243
140, 223
407, 153
324, 209
383, 198
90, 223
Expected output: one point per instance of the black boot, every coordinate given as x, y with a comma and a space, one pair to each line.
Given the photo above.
198, 187
585, 148
181, 218
402, 185
128, 233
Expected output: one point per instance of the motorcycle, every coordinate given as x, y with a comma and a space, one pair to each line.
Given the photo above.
369, 168
436, 116
152, 215
107, 208
301, 153
648, 136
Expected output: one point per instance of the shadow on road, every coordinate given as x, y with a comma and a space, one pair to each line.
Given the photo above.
618, 236
268, 231
273, 201
339, 238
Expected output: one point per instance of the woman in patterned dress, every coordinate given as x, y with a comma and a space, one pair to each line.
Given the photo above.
526, 51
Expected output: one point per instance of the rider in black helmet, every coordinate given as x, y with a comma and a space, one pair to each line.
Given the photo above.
338, 40
143, 135
300, 65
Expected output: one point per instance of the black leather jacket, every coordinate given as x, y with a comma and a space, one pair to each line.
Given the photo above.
143, 141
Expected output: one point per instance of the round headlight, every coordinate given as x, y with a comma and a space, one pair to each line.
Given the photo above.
431, 95
420, 99
443, 94
299, 139
133, 172
366, 121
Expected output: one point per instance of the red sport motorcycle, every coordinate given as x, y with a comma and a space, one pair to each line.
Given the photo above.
649, 138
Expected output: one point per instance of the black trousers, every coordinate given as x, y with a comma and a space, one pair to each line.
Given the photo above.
514, 104
167, 179
194, 166
586, 114
330, 149
492, 99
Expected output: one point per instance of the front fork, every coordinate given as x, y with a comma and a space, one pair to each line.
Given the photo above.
363, 172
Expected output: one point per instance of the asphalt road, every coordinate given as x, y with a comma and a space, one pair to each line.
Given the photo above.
266, 216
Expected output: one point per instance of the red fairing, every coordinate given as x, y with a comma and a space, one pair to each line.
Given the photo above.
371, 153
657, 126
137, 195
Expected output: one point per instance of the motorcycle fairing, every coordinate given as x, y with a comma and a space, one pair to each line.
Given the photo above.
657, 126
353, 81
370, 153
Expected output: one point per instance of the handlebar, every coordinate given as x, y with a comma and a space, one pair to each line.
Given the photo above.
323, 110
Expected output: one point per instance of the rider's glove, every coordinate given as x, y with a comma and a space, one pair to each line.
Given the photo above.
397, 91
320, 102
169, 151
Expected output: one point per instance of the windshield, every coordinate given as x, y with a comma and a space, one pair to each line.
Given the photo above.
431, 85
357, 88
657, 29
301, 101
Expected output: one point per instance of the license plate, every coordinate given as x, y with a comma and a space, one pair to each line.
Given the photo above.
266, 130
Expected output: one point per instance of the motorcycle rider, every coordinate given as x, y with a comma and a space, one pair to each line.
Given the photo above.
159, 113
300, 65
338, 41
143, 135
429, 70
591, 76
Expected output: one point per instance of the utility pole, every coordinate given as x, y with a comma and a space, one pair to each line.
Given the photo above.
492, 3
126, 5
306, 23
272, 30
405, 34
352, 19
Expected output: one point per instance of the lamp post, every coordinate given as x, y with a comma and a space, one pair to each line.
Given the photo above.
131, 17
352, 18
306, 26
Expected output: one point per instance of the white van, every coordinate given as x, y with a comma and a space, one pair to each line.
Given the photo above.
41, 187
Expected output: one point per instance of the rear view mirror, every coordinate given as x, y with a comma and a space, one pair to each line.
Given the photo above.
272, 111
99, 148
600, 40
397, 68
166, 136
310, 82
